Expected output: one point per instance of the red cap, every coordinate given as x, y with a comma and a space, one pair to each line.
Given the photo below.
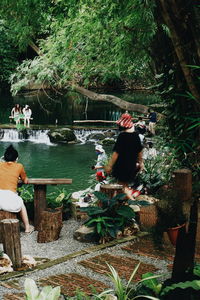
125, 121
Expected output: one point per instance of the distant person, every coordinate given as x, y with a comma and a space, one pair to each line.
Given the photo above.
16, 113
152, 121
101, 159
126, 159
101, 180
10, 171
140, 126
27, 112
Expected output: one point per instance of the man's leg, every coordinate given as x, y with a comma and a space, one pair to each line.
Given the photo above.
24, 216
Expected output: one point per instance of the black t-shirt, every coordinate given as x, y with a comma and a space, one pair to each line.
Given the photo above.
128, 145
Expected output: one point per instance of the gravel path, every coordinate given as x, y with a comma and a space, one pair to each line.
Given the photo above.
66, 245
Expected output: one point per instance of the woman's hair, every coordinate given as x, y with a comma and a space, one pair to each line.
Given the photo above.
10, 154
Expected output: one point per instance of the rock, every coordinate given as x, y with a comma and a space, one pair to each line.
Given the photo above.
85, 234
110, 297
109, 133
108, 141
28, 261
5, 264
61, 135
96, 136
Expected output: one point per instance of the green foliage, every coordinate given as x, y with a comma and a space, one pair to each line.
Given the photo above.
194, 284
26, 192
47, 293
196, 270
158, 171
113, 215
125, 291
76, 47
58, 197
152, 283
8, 54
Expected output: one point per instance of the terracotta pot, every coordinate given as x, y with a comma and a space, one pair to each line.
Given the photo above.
173, 233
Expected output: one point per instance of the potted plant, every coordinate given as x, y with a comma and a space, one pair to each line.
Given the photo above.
170, 213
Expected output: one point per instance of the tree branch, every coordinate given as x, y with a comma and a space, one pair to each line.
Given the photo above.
112, 99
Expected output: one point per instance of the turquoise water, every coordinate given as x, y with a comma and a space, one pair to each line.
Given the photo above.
57, 161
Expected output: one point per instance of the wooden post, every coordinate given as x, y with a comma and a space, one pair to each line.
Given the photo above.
11, 241
5, 215
183, 184
39, 203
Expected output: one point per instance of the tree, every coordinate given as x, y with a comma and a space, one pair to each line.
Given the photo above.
8, 55
178, 65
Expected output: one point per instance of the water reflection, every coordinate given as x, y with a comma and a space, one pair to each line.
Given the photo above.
64, 109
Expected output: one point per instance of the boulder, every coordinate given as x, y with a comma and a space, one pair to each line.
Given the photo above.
5, 264
61, 135
96, 136
85, 234
108, 141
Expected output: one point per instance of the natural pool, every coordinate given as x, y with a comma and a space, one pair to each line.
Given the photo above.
57, 161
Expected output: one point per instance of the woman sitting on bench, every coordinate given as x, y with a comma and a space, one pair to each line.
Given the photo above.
27, 112
10, 171
16, 113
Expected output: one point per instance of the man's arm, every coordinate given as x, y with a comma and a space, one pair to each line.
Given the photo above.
140, 161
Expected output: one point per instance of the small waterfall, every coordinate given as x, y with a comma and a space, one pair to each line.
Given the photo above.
41, 136
14, 135
90, 135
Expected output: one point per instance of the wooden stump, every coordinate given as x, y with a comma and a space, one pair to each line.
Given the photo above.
111, 189
183, 184
5, 215
76, 212
50, 225
148, 216
11, 241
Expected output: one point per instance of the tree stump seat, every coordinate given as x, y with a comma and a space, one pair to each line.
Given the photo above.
11, 241
5, 215
50, 225
111, 190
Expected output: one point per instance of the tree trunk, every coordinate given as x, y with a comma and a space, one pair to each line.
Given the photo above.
112, 99
177, 15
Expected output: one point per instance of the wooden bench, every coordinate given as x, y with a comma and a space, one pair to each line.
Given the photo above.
21, 118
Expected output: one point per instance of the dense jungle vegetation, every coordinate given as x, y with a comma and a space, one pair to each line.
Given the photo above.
89, 44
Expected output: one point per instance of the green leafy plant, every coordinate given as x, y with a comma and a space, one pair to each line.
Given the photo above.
58, 197
151, 284
125, 291
194, 284
158, 171
112, 216
26, 192
47, 293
